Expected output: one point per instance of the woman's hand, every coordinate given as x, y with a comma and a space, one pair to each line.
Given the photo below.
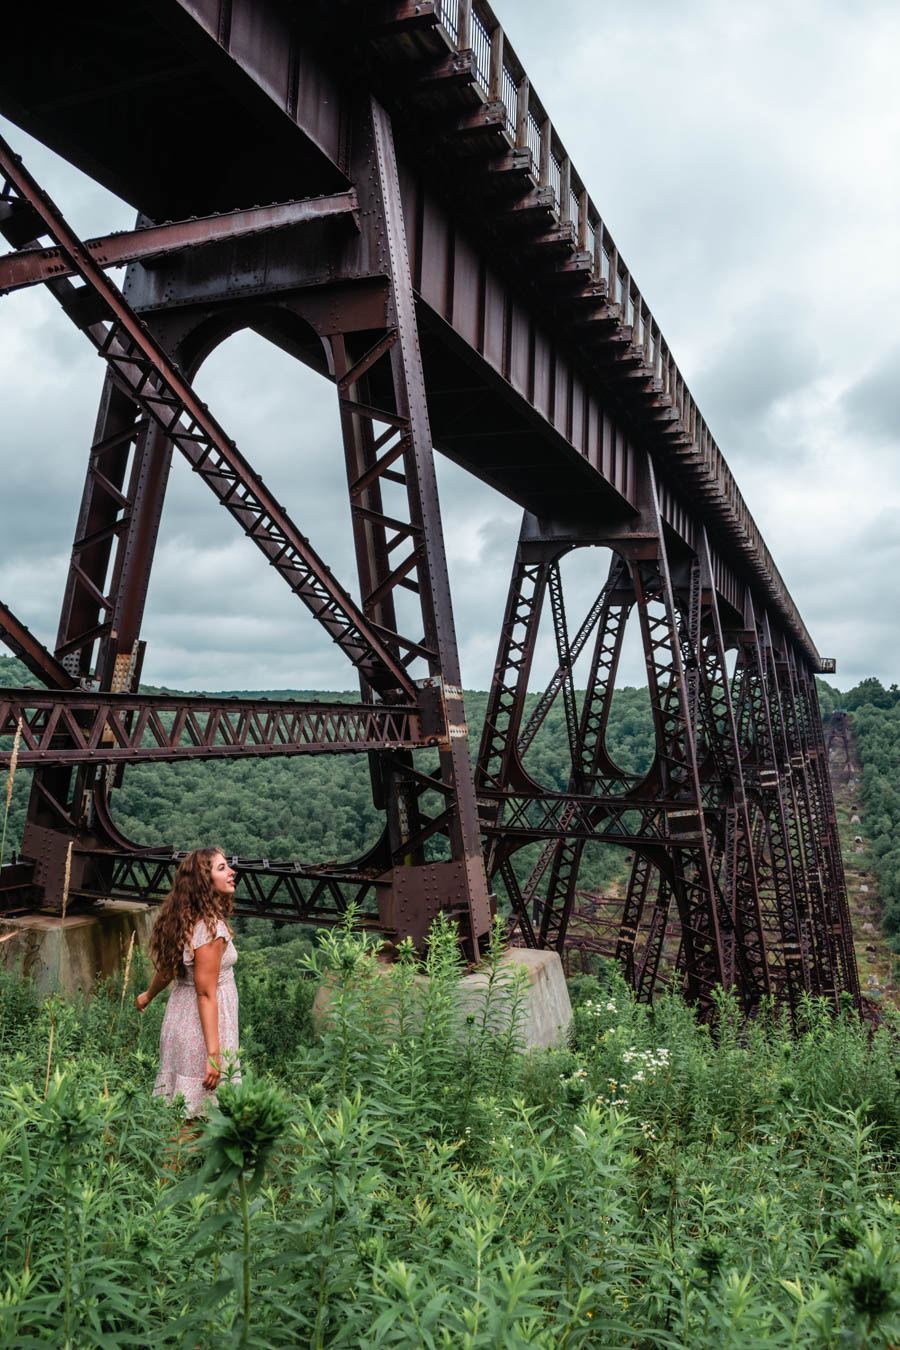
213, 1073
157, 985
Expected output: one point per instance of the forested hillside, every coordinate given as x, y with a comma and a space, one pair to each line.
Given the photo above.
320, 808
875, 720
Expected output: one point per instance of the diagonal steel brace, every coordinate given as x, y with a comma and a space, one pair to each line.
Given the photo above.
149, 377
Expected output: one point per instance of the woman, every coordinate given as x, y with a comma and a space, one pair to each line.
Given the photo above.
191, 944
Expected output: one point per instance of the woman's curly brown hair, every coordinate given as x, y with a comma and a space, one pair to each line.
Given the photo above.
193, 897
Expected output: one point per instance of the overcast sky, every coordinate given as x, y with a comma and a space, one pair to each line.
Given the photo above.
745, 159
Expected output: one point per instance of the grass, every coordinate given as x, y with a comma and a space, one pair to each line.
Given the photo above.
412, 1179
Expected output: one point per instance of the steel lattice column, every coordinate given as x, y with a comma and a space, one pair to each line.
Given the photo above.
387, 445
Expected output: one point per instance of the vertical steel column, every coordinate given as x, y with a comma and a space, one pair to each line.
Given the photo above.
499, 764
746, 942
632, 913
589, 754
774, 871
403, 454
823, 951
103, 602
825, 824
647, 969
676, 773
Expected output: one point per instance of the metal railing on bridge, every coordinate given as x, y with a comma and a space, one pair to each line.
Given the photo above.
471, 25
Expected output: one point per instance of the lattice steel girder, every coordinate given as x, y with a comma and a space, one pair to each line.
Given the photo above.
101, 728
265, 889
609, 818
30, 266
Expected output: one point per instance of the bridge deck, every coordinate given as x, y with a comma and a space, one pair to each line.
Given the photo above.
545, 367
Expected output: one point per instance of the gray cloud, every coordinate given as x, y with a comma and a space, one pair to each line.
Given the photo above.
872, 405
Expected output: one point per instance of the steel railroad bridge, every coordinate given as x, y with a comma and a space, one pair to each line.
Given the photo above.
376, 187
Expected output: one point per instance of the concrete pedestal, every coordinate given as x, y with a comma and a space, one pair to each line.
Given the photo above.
547, 1010
545, 1007
81, 947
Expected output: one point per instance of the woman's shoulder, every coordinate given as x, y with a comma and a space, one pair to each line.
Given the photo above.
206, 932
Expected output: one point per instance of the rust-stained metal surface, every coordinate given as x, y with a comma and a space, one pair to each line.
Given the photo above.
28, 267
378, 188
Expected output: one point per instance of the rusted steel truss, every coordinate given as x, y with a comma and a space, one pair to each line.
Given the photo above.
735, 872
148, 408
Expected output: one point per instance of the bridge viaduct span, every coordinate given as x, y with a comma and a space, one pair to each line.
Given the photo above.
375, 186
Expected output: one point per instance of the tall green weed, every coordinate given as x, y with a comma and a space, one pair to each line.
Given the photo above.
417, 1180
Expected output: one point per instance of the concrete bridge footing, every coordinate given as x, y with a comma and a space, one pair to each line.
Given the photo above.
70, 954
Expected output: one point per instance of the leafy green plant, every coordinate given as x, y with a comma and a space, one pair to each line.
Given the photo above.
413, 1178
237, 1142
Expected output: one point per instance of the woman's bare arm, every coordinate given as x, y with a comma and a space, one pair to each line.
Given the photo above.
207, 961
156, 986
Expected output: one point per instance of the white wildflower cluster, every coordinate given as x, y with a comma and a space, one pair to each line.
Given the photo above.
646, 1062
598, 1009
573, 1077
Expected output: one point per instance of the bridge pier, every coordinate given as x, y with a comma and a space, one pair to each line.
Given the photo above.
69, 955
546, 1010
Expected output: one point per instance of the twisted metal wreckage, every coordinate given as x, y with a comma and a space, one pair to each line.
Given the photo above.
432, 250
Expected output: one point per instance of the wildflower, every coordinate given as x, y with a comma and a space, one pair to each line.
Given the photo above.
13, 761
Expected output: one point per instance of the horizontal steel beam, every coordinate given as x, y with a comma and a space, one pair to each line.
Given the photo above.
303, 892
102, 728
29, 266
604, 817
265, 889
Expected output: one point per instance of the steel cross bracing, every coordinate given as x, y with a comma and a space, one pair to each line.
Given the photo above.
726, 829
735, 861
